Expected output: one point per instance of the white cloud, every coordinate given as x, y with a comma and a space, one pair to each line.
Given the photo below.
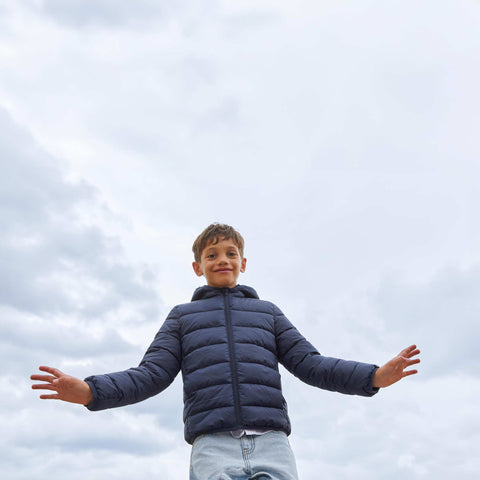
442, 315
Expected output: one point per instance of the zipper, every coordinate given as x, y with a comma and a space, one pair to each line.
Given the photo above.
233, 362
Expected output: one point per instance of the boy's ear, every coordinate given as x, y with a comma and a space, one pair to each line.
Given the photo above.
243, 265
197, 269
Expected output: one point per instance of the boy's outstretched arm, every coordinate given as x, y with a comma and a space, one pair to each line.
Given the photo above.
394, 370
67, 388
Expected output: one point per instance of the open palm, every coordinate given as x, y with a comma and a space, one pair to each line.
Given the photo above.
66, 387
394, 370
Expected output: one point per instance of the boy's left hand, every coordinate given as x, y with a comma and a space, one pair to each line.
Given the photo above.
394, 370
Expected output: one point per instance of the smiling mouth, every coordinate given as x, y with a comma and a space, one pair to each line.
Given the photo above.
222, 270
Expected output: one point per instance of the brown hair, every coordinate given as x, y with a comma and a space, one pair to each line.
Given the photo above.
213, 234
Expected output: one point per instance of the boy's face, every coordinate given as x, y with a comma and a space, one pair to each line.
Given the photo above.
221, 263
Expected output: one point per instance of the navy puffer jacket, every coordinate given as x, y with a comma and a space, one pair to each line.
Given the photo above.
228, 344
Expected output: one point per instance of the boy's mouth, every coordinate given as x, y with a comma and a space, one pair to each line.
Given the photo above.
220, 270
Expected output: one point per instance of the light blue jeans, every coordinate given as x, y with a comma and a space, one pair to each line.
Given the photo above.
219, 456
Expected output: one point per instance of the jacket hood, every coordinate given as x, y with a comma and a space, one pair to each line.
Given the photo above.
207, 292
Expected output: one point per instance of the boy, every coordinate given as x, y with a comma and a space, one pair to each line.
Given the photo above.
227, 343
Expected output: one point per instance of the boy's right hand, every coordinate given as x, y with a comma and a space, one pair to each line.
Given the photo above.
67, 388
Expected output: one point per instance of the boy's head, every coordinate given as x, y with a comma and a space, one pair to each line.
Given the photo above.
218, 252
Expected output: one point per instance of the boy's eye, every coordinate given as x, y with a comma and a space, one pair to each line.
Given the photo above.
232, 254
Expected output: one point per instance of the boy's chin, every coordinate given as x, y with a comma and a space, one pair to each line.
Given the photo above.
222, 285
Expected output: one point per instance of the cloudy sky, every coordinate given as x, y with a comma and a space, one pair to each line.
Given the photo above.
340, 137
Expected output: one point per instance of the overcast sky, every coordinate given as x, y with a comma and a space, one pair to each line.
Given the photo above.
339, 137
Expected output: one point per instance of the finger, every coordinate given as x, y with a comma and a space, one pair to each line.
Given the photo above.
54, 371
52, 396
413, 362
413, 353
408, 350
44, 386
43, 378
409, 372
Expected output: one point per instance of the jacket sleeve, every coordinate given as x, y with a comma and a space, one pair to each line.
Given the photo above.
299, 357
156, 371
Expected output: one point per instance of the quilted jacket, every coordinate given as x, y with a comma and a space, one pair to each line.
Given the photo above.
228, 343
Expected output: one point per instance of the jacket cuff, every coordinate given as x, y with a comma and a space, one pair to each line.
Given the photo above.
94, 404
370, 390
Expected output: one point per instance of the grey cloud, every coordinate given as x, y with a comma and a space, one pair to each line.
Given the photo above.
32, 185
81, 431
64, 340
166, 407
248, 21
117, 13
111, 13
78, 465
343, 434
51, 260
